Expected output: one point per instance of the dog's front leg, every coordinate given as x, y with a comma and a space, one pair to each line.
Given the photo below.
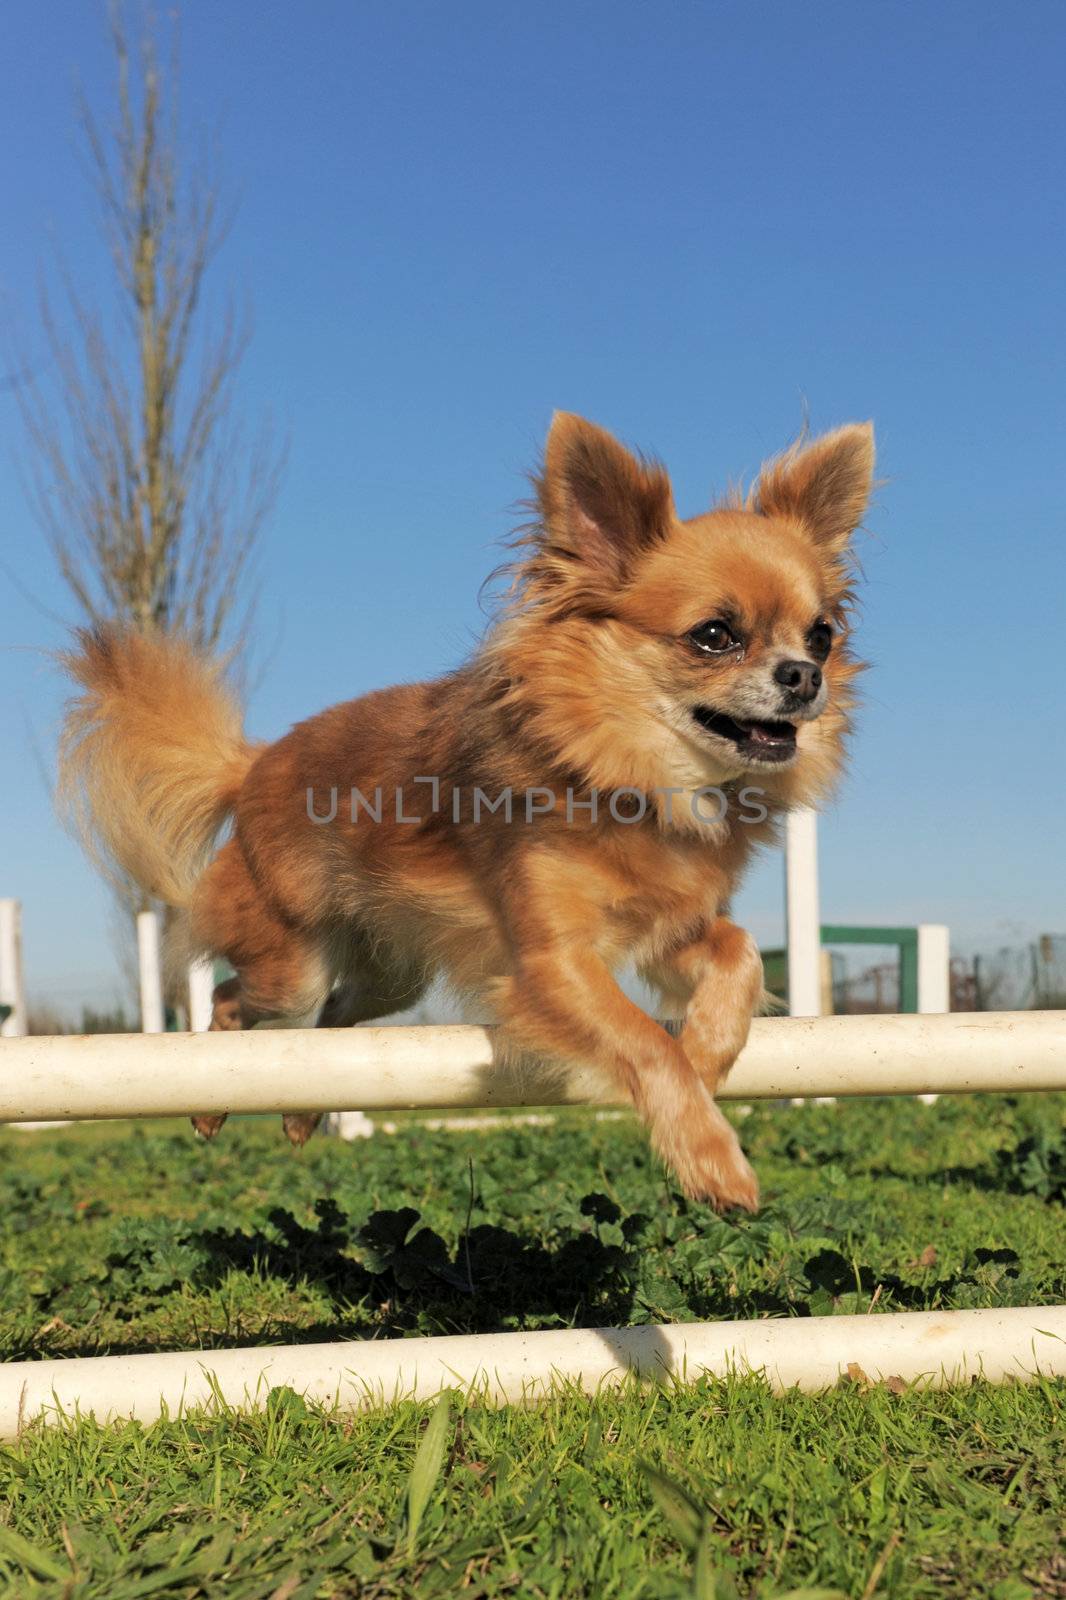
563, 1001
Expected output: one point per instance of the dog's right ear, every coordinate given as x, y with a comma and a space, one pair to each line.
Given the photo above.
600, 504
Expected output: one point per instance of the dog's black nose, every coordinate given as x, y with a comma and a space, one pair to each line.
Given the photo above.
803, 678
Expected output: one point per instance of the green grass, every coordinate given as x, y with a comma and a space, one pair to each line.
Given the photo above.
129, 1238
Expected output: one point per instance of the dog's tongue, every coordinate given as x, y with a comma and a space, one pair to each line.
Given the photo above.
771, 732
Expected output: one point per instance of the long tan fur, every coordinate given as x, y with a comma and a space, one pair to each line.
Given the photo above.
151, 757
642, 658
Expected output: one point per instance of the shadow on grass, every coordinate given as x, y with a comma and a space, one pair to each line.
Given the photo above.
495, 1277
832, 1275
1033, 1166
392, 1276
388, 1276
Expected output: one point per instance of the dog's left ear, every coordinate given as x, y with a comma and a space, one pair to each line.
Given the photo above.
825, 485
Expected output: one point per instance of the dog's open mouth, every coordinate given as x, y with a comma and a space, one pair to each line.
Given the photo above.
755, 741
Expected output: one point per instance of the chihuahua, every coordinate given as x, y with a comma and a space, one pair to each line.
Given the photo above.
584, 794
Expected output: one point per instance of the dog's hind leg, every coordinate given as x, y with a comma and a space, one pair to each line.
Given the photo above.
281, 973
289, 989
372, 988
225, 1017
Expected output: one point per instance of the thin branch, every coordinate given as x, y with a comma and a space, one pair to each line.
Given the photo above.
140, 477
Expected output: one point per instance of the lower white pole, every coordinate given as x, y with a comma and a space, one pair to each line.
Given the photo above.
150, 966
803, 927
12, 980
201, 995
316, 1069
934, 975
927, 1348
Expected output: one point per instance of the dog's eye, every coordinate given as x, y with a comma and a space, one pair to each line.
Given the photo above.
714, 638
820, 640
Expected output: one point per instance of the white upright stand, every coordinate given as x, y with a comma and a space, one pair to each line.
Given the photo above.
153, 1019
201, 993
934, 975
349, 1124
12, 982
934, 968
13, 987
802, 915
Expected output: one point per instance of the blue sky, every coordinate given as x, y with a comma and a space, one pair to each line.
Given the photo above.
695, 223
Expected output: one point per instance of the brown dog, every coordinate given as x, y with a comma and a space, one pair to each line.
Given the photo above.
584, 793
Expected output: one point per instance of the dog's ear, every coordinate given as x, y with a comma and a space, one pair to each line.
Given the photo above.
600, 504
825, 485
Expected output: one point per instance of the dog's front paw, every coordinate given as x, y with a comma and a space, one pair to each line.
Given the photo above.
725, 1182
710, 1165
733, 1187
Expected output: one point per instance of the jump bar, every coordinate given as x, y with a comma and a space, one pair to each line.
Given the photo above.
926, 1348
376, 1069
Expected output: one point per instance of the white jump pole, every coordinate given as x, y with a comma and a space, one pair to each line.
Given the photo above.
934, 968
12, 979
316, 1069
150, 965
13, 987
803, 932
201, 995
934, 975
801, 913
926, 1348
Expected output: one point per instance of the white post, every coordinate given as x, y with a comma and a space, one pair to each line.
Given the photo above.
13, 987
12, 981
803, 934
201, 992
934, 968
934, 975
349, 1124
153, 1019
801, 913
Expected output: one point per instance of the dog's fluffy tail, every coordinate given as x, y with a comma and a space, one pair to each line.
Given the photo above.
151, 756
